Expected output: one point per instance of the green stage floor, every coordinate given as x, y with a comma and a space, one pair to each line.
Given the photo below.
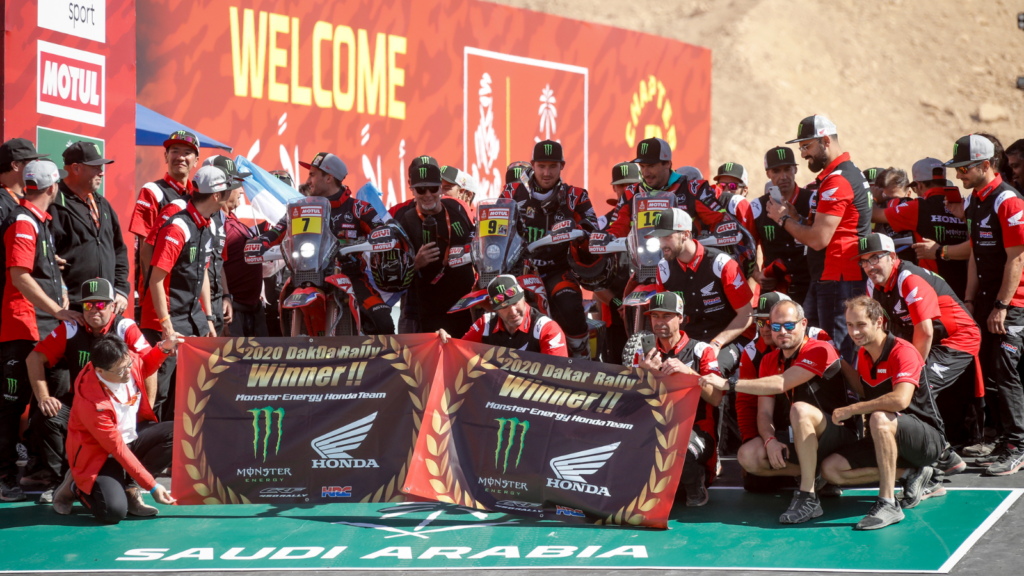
735, 530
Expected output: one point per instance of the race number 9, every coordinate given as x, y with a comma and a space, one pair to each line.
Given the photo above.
307, 225
494, 227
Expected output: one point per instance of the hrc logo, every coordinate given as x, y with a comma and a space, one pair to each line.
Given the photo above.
335, 491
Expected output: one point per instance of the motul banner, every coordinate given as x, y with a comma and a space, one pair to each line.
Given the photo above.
290, 420
550, 437
472, 83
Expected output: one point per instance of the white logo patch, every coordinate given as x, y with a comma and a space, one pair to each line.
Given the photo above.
708, 290
827, 194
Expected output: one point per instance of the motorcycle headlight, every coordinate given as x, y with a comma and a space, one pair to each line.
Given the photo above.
653, 245
307, 250
493, 251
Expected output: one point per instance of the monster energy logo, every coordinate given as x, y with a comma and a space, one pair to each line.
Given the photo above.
624, 169
230, 165
534, 234
940, 234
457, 228
192, 254
518, 173
97, 147
513, 423
427, 236
423, 172
93, 285
728, 166
955, 146
763, 302
444, 169
547, 149
12, 389
500, 288
617, 302
659, 299
872, 173
799, 129
643, 148
769, 233
83, 358
781, 153
425, 159
268, 416
863, 243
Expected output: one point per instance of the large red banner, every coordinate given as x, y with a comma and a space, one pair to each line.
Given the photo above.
472, 83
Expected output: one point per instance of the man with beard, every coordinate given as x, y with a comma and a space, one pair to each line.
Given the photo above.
675, 352
995, 289
805, 375
840, 214
785, 261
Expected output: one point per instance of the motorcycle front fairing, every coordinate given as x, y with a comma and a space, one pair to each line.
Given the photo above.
309, 244
644, 252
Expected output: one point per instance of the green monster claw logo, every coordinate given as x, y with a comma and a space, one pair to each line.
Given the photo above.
423, 172
268, 416
728, 166
517, 172
500, 288
763, 302
799, 129
872, 173
547, 149
956, 145
192, 254
863, 243
781, 153
513, 423
769, 233
624, 169
97, 147
457, 228
427, 236
83, 358
12, 386
93, 285
424, 159
940, 234
643, 148
659, 299
534, 234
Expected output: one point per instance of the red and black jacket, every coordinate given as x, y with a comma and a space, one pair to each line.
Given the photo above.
899, 362
28, 243
568, 203
700, 358
537, 333
826, 390
183, 249
995, 217
928, 218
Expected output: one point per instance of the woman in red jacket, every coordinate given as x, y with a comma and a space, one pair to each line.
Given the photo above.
115, 443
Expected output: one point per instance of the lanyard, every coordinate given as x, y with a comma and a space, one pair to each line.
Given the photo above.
132, 398
447, 250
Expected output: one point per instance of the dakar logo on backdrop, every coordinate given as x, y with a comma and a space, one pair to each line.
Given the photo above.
71, 84
654, 121
334, 446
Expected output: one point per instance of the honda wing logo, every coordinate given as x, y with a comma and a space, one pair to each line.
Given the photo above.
939, 369
708, 290
571, 469
984, 222
827, 194
1015, 219
913, 297
898, 308
334, 447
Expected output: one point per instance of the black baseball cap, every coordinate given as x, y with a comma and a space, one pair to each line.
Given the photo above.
812, 127
228, 165
625, 173
766, 302
734, 169
424, 172
547, 151
871, 174
83, 152
515, 171
666, 302
873, 243
670, 221
779, 156
653, 151
504, 291
449, 174
183, 137
970, 149
97, 289
17, 149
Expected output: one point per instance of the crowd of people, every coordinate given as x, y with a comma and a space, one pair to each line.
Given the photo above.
867, 329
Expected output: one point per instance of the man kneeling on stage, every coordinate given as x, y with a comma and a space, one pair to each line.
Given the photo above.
901, 414
113, 433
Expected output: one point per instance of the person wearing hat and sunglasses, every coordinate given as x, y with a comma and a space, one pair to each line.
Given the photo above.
840, 214
31, 305
623, 175
178, 287
545, 202
513, 323
181, 154
351, 219
805, 376
71, 344
86, 230
674, 352
995, 290
925, 311
732, 177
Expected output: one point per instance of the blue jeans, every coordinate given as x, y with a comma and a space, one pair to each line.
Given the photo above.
824, 308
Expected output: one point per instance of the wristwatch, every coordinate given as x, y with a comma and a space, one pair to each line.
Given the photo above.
998, 305
211, 318
782, 221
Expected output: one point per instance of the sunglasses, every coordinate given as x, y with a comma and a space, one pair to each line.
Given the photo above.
761, 322
97, 305
872, 261
731, 186
789, 326
966, 169
425, 189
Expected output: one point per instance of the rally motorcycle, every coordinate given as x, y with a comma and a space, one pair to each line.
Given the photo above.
497, 249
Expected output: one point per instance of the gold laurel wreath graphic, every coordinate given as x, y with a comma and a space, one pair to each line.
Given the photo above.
438, 463
662, 408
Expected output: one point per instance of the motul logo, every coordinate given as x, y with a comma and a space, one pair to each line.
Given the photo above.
71, 84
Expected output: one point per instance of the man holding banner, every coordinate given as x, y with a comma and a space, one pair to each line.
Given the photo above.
676, 352
514, 323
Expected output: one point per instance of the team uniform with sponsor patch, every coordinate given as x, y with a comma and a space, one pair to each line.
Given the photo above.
929, 219
784, 257
537, 333
918, 440
153, 197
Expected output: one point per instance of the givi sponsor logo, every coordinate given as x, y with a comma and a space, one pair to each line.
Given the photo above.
71, 84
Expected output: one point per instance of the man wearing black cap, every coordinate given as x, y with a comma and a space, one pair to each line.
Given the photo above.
436, 224
871, 176
623, 175
31, 305
732, 177
544, 203
995, 289
840, 214
785, 262
513, 323
673, 352
351, 219
86, 230
181, 153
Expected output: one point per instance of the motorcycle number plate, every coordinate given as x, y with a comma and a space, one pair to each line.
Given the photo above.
494, 227
648, 218
307, 225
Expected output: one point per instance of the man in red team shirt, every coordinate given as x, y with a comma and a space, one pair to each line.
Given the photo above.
806, 376
924, 310
514, 323
840, 214
901, 414
181, 153
674, 352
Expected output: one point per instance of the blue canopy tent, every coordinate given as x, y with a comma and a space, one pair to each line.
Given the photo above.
151, 129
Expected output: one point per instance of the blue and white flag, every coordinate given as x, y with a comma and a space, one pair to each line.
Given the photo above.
268, 195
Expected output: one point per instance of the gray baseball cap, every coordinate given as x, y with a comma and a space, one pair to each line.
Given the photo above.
970, 149
928, 169
690, 172
328, 163
214, 179
666, 302
97, 289
41, 174
813, 127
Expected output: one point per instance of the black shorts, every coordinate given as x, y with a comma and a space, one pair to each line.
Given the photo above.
917, 445
945, 366
835, 437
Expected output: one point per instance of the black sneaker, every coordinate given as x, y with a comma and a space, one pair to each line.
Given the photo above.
994, 456
1009, 463
950, 463
696, 492
40, 478
914, 485
10, 491
803, 507
882, 514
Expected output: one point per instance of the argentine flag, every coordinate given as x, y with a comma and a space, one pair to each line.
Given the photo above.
267, 196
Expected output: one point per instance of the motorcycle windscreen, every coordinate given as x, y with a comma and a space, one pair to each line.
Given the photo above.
309, 242
497, 243
646, 213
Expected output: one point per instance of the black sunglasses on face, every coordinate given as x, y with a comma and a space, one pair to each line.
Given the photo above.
789, 326
425, 189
